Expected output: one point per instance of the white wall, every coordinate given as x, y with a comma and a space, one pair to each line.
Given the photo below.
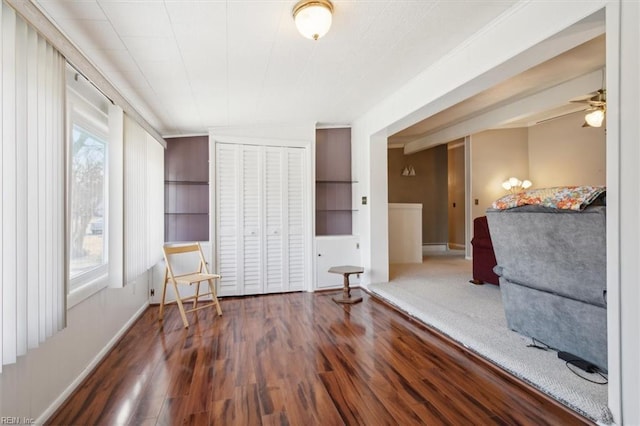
562, 152
295, 132
43, 376
496, 155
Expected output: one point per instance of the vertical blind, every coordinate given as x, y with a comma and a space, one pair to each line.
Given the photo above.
143, 200
32, 168
155, 201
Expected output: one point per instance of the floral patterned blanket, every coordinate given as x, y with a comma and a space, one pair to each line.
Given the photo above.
561, 197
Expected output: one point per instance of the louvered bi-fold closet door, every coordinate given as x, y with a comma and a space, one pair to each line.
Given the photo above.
274, 205
260, 219
251, 219
295, 241
227, 214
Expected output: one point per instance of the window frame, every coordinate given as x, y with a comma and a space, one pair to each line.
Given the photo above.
83, 113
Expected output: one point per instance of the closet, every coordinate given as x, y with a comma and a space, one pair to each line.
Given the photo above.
260, 194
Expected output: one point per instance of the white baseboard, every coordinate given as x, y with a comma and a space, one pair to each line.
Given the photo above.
50, 411
433, 248
440, 248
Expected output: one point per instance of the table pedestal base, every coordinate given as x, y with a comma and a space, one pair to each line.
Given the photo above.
346, 292
348, 300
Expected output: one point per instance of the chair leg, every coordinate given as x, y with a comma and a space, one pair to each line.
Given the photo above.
180, 307
195, 301
214, 295
164, 293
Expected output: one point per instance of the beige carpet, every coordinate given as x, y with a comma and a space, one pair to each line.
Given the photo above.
438, 293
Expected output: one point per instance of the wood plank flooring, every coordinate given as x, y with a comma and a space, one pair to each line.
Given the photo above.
298, 359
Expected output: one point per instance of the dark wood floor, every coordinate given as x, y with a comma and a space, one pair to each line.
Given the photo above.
298, 359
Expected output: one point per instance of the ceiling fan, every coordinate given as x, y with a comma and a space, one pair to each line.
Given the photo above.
597, 107
597, 98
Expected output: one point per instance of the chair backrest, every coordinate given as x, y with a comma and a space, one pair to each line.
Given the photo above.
170, 250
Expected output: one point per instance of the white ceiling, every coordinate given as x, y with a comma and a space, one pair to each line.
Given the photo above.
190, 65
544, 92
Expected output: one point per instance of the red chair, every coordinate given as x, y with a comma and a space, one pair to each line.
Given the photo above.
484, 258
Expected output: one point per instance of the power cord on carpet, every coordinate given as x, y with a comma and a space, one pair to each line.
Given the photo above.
591, 369
572, 362
538, 345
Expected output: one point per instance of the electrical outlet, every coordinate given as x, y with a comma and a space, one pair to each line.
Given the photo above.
475, 201
364, 200
153, 292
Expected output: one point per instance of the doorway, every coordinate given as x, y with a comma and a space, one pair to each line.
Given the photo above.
433, 179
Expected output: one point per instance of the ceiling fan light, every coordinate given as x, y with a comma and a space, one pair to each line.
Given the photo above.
595, 118
313, 17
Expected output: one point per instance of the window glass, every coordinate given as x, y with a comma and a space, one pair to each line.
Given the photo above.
88, 219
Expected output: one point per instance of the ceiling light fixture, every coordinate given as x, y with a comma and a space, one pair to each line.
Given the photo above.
598, 106
313, 17
594, 118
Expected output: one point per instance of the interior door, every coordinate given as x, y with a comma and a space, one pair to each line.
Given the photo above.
251, 219
227, 217
296, 248
260, 205
274, 255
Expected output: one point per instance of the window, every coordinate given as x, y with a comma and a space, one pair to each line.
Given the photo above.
90, 158
87, 218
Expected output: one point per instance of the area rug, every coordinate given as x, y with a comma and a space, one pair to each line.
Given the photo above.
439, 294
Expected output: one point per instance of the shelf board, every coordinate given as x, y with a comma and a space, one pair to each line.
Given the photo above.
184, 182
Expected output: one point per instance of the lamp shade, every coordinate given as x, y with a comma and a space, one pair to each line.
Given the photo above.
515, 185
313, 17
595, 118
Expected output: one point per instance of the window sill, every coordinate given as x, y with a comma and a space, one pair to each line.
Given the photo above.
87, 290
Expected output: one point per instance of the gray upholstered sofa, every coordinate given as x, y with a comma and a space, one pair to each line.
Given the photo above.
552, 269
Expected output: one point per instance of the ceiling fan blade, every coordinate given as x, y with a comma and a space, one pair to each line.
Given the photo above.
597, 97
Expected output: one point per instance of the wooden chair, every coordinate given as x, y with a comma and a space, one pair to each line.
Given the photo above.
196, 277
